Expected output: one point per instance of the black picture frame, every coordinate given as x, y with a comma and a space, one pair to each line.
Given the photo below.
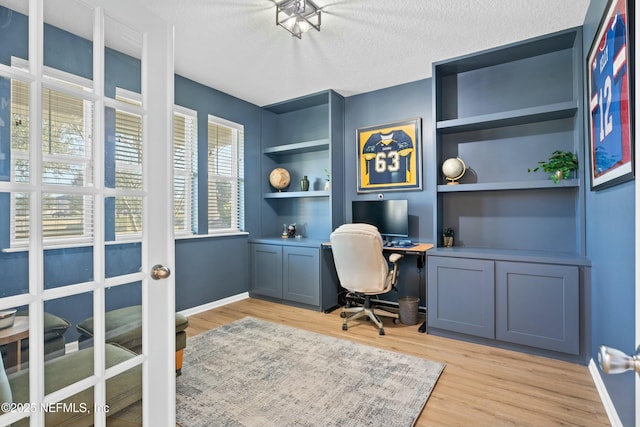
610, 84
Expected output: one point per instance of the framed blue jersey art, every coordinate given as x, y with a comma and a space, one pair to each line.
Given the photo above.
389, 157
609, 67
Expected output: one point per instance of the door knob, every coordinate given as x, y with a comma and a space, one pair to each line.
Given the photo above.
614, 361
159, 271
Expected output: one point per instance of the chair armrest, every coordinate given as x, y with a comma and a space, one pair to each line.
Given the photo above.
395, 257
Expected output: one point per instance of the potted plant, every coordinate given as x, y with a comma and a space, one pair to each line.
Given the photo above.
327, 183
559, 166
447, 237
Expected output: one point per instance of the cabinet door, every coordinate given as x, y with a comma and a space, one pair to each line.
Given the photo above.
301, 269
538, 305
461, 295
266, 270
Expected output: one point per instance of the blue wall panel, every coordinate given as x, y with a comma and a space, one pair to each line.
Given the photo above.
611, 248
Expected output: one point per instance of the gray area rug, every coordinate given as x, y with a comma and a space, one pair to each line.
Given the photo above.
257, 373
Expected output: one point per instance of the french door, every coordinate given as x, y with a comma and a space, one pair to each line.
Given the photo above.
86, 94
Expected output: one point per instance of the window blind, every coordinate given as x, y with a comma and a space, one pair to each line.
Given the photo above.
184, 180
225, 177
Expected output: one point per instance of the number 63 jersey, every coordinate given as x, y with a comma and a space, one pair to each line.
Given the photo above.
609, 103
388, 157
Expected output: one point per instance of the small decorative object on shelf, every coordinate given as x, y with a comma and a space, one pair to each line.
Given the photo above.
327, 183
291, 230
304, 183
279, 178
453, 169
447, 237
559, 166
285, 232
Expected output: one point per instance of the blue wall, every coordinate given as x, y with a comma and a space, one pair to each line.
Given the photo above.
209, 269
611, 247
384, 106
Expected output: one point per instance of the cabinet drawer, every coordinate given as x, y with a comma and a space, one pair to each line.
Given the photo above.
538, 305
461, 295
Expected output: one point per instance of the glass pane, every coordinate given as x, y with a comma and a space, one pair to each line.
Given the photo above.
128, 410
68, 37
123, 316
124, 258
67, 216
67, 126
67, 266
14, 30
123, 51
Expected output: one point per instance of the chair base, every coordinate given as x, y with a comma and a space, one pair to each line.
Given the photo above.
367, 310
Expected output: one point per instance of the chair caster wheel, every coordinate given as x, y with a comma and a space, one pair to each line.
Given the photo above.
396, 320
344, 326
381, 331
343, 314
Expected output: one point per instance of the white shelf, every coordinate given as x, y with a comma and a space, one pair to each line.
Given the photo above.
298, 147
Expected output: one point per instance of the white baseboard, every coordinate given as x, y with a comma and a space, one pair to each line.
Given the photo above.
614, 419
214, 304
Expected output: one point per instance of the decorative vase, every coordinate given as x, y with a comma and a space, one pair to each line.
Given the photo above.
327, 185
448, 241
304, 184
559, 176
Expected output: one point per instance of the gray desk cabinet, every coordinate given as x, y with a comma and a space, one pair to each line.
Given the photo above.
287, 272
461, 295
538, 305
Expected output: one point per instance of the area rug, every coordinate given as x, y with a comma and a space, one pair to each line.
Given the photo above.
257, 373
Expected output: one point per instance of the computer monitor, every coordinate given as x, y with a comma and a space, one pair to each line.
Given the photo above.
391, 217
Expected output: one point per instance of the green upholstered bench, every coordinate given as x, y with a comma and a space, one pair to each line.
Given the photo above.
124, 326
123, 390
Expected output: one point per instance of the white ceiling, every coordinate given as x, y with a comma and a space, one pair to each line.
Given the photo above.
364, 45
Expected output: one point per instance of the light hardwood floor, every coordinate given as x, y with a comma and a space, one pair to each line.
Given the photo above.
480, 385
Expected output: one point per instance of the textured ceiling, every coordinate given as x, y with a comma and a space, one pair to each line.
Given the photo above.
364, 45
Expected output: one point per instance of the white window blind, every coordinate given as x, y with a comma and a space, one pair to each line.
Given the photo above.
225, 166
185, 183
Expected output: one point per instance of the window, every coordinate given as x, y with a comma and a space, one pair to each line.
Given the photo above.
185, 184
225, 167
67, 163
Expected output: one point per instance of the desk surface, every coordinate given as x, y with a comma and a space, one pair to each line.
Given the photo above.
418, 247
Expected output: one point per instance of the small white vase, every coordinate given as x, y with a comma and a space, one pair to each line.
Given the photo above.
327, 185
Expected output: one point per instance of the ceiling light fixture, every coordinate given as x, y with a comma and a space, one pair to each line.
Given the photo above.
298, 16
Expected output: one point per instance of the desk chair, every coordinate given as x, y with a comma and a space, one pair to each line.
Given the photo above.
363, 270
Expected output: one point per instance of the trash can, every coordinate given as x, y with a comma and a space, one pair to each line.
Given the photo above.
408, 310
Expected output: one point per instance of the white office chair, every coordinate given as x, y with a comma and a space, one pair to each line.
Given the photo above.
363, 270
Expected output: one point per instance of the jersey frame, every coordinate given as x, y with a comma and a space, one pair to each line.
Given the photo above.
389, 156
610, 117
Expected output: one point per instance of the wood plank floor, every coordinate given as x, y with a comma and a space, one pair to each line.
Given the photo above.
480, 386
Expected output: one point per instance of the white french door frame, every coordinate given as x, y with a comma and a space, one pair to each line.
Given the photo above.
158, 297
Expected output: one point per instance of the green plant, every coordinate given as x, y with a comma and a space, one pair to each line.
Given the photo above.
326, 172
447, 232
560, 163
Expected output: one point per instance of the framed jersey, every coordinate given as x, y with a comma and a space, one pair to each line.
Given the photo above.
610, 74
389, 156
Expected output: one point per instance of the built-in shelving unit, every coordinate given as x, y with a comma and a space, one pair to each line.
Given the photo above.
305, 137
502, 111
517, 272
